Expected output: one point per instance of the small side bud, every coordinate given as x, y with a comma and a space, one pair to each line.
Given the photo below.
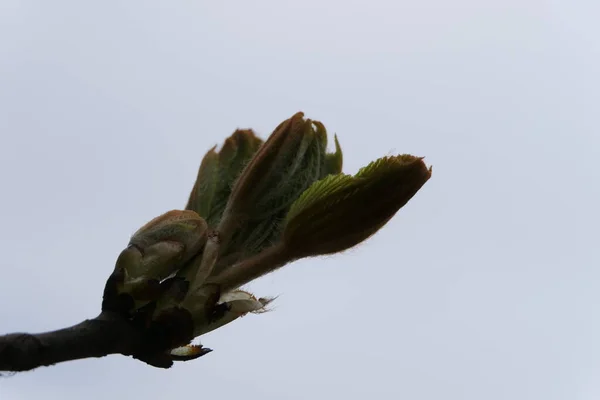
167, 242
189, 352
156, 251
230, 307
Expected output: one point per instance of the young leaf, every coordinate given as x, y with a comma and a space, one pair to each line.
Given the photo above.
286, 165
218, 172
341, 211
334, 161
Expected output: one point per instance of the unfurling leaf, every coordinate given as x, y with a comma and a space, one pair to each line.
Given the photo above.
203, 193
218, 172
268, 184
341, 211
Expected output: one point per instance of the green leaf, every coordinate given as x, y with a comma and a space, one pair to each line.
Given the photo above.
340, 211
203, 192
218, 173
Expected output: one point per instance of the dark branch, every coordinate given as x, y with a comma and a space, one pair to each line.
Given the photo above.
106, 334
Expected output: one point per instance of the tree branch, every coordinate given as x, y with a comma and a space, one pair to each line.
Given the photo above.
106, 334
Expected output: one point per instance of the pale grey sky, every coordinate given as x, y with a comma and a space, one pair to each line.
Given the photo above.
485, 286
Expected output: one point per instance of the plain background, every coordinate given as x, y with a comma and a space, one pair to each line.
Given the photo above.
485, 286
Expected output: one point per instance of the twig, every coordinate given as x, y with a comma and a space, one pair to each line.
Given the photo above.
106, 334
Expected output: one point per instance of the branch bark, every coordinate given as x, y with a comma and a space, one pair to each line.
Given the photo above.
108, 333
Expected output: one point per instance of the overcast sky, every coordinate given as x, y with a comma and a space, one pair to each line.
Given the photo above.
485, 286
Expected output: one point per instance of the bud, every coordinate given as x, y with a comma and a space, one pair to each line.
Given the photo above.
291, 159
341, 211
189, 352
267, 170
157, 250
254, 208
167, 242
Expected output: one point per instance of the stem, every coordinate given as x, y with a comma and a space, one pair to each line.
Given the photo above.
209, 259
252, 268
106, 334
217, 239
